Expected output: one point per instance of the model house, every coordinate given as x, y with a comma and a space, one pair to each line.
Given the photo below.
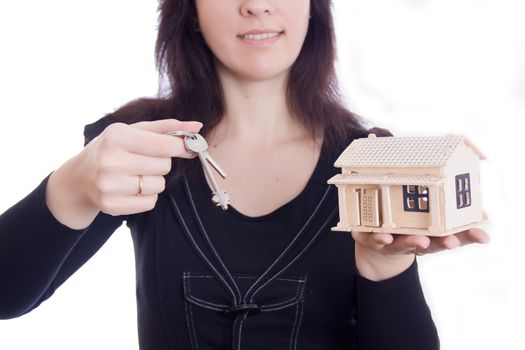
409, 185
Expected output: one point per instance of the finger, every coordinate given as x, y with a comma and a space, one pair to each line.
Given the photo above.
128, 205
382, 238
457, 240
145, 142
439, 244
119, 186
166, 125
124, 163
136, 164
372, 240
473, 235
405, 244
151, 185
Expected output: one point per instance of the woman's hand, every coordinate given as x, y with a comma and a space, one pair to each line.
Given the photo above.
380, 256
112, 169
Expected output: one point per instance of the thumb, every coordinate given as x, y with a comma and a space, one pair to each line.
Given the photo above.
164, 126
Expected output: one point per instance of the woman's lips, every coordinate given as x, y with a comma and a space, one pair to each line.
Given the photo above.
260, 36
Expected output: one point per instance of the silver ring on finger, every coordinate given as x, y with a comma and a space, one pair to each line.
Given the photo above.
141, 186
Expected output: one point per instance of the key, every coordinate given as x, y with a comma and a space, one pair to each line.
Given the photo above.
197, 144
204, 146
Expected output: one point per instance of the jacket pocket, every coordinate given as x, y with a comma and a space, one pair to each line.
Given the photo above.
210, 325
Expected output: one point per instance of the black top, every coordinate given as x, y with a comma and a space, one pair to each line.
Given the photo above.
214, 279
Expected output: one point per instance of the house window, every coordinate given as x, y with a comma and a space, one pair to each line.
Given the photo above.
463, 195
415, 198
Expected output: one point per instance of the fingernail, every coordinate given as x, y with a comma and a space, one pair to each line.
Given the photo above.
380, 240
453, 245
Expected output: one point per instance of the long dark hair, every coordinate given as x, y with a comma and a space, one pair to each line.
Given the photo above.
194, 92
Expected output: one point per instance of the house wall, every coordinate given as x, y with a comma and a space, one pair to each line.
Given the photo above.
404, 219
463, 160
400, 218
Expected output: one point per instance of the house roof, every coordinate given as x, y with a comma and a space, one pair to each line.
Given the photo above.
402, 151
385, 179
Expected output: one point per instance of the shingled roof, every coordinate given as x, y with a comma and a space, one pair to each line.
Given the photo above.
402, 151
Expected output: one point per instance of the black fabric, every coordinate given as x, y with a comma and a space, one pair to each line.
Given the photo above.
210, 279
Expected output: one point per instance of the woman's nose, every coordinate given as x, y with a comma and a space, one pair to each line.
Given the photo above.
256, 8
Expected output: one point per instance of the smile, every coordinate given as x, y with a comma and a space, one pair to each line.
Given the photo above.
260, 36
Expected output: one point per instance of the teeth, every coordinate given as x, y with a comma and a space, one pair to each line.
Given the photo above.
262, 36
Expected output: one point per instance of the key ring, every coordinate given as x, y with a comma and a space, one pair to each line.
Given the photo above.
182, 133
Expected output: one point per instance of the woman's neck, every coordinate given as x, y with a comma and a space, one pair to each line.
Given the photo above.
256, 112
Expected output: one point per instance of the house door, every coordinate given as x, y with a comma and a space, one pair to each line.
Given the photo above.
369, 207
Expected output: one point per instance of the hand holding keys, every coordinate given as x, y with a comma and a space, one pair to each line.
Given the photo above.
197, 144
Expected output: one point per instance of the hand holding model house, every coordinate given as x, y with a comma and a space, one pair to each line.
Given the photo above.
413, 194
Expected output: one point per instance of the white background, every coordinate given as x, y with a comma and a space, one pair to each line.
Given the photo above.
417, 67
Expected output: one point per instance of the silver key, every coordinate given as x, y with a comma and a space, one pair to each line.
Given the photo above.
197, 144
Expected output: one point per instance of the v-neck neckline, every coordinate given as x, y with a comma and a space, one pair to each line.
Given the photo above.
316, 177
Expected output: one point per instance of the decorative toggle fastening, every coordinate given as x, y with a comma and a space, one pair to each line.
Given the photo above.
249, 308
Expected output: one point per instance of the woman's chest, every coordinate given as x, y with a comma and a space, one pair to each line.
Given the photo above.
260, 182
219, 291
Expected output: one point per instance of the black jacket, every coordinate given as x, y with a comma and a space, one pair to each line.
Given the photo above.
213, 279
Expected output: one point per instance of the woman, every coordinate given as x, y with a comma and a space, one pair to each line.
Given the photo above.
256, 78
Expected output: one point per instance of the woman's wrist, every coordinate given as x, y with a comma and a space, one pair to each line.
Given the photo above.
66, 197
379, 266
